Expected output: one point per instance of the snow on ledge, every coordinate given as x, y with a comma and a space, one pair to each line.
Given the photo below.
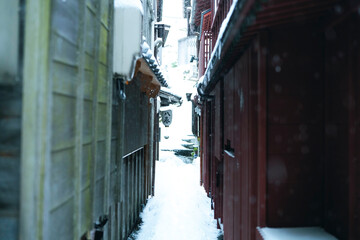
301, 233
129, 4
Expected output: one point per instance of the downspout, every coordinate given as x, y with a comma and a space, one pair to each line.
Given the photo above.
202, 94
158, 42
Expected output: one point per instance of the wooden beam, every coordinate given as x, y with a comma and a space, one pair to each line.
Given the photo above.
35, 144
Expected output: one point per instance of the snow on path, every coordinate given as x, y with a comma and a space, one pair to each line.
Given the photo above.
180, 208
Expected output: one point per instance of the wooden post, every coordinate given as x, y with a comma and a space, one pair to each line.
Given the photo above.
35, 143
79, 126
262, 126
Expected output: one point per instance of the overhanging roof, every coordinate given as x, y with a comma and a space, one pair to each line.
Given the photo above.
152, 63
168, 98
247, 19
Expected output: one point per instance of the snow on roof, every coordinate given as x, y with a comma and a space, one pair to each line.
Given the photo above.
223, 26
217, 48
153, 63
129, 3
201, 79
301, 233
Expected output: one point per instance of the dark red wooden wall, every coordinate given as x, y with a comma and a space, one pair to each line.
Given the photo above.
280, 134
241, 113
295, 127
342, 128
229, 164
218, 163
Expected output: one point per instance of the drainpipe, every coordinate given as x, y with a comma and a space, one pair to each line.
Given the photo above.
157, 42
202, 94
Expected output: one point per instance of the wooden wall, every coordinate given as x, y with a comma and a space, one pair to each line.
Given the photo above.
229, 161
295, 127
79, 92
240, 158
78, 162
136, 117
217, 190
342, 128
10, 139
10, 117
290, 131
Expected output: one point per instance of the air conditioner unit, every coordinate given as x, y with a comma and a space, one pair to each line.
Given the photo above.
128, 15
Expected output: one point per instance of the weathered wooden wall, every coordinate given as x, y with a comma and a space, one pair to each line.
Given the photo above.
295, 121
79, 91
136, 117
80, 158
290, 129
10, 118
218, 138
342, 128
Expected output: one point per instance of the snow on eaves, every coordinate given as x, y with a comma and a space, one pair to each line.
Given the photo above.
201, 80
216, 53
129, 4
153, 63
223, 27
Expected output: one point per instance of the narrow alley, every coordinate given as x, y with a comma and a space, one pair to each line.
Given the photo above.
179, 120
180, 208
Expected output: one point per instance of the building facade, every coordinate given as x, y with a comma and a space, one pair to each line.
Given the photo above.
77, 145
279, 120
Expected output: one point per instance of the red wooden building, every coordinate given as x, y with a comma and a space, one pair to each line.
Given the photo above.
280, 137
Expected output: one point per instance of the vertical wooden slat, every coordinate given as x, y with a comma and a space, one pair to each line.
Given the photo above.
128, 202
262, 127
122, 169
130, 191
133, 189
107, 20
351, 132
79, 124
143, 158
238, 161
253, 140
336, 133
354, 124
140, 176
151, 142
34, 118
241, 148
138, 155
229, 161
95, 111
244, 94
222, 140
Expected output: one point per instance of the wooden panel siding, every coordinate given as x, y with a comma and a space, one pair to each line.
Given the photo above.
354, 132
291, 116
76, 129
229, 163
218, 177
339, 129
11, 37
295, 138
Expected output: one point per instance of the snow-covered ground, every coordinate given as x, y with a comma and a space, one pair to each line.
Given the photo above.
180, 208
301, 233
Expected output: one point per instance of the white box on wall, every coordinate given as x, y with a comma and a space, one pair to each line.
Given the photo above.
128, 16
